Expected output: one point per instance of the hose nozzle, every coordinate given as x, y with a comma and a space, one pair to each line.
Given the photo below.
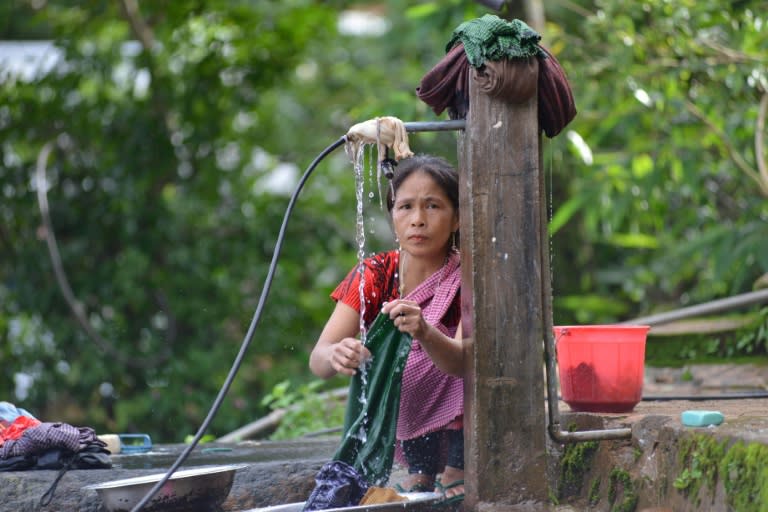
387, 167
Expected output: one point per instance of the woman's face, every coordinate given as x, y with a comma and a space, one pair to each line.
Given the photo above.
423, 217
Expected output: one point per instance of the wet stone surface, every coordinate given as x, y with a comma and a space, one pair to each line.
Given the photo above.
277, 472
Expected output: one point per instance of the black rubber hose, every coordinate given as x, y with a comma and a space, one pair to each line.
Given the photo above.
251, 329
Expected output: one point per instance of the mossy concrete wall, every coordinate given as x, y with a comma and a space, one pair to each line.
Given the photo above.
666, 466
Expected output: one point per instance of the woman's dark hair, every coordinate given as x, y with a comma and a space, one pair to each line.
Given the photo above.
436, 167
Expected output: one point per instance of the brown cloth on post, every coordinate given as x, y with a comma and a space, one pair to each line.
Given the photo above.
446, 85
376, 495
514, 80
556, 105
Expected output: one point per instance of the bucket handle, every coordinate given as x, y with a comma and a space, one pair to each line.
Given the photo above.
563, 332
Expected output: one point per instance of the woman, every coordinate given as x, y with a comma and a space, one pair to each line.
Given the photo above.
418, 287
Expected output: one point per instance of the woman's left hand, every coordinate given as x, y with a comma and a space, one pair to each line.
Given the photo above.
407, 317
447, 353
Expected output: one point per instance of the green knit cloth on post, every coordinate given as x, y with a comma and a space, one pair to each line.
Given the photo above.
492, 38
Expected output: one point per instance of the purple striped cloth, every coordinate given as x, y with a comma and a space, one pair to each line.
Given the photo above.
47, 436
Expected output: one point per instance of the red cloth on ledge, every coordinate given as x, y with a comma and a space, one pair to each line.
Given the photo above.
16, 428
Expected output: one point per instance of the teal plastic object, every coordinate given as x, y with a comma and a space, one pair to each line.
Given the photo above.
701, 418
135, 443
370, 422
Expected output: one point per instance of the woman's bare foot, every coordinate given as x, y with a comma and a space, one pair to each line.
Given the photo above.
449, 482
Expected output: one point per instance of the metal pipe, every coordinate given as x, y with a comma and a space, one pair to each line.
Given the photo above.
553, 408
715, 306
435, 126
564, 436
550, 356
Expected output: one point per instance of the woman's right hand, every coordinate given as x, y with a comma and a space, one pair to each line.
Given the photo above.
338, 350
347, 355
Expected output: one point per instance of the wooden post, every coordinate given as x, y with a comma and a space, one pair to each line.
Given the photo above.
501, 198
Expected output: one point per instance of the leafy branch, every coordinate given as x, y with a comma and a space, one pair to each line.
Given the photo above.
760, 177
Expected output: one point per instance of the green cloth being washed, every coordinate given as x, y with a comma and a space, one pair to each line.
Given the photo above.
373, 404
364, 457
493, 38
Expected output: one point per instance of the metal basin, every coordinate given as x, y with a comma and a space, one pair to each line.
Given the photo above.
417, 501
188, 490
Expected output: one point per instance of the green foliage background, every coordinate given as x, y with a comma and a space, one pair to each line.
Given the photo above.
170, 125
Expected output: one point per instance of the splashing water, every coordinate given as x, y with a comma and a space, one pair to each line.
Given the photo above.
357, 153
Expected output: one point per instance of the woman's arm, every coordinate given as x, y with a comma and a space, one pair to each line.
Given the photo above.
338, 350
447, 353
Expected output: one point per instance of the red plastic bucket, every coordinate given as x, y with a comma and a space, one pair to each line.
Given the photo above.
601, 367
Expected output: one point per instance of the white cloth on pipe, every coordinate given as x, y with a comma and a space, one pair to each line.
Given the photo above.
385, 132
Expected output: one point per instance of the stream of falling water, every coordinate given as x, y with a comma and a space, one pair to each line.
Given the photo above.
358, 159
357, 154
